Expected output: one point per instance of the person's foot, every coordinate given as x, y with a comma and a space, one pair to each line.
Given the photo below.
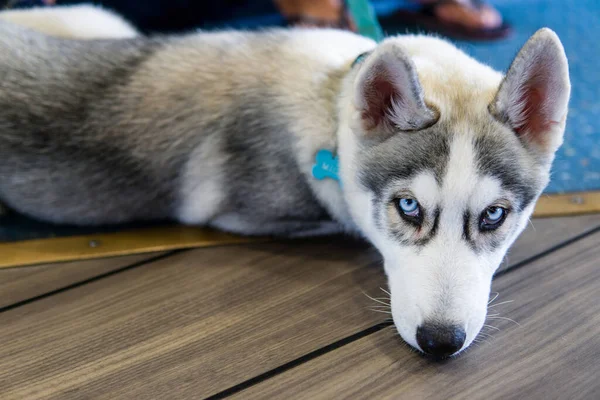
468, 13
457, 19
316, 13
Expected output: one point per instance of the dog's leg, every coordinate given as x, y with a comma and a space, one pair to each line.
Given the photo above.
320, 228
235, 223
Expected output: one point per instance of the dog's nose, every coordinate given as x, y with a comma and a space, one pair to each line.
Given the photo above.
440, 340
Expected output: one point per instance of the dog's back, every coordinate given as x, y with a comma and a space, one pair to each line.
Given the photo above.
50, 91
104, 131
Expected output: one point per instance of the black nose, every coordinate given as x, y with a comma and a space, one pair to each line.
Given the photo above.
440, 340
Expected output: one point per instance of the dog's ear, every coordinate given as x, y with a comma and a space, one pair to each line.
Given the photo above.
533, 98
388, 95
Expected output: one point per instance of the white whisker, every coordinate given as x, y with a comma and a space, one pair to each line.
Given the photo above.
532, 225
385, 291
499, 304
494, 298
491, 326
380, 311
375, 300
507, 319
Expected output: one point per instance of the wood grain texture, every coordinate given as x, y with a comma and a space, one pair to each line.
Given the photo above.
552, 354
202, 321
138, 241
189, 325
18, 284
544, 233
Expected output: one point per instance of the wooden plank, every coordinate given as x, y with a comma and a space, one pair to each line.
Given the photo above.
544, 233
195, 323
554, 205
18, 284
30, 252
552, 354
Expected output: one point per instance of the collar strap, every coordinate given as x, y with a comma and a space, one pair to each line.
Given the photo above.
326, 161
360, 58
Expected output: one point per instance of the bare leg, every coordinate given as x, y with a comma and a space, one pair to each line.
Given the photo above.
316, 13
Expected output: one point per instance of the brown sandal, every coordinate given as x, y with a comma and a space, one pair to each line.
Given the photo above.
425, 18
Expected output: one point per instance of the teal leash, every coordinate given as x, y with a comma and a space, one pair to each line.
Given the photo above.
365, 19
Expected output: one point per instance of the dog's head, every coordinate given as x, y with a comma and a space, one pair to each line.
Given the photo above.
442, 161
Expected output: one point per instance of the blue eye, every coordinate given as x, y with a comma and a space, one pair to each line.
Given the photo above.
409, 207
492, 218
494, 214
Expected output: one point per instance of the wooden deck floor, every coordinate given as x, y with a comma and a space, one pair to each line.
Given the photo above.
291, 320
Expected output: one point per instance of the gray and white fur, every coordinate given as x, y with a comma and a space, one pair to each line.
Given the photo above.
221, 129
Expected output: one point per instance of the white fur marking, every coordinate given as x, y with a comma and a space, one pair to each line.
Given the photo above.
202, 191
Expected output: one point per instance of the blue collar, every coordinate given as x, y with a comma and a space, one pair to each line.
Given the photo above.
326, 164
360, 58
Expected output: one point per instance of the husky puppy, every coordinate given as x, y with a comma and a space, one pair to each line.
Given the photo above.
441, 158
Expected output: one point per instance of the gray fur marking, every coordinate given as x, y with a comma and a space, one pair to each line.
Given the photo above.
506, 160
79, 144
403, 156
52, 165
258, 161
406, 154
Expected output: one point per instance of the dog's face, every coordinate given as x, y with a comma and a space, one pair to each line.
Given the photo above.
442, 179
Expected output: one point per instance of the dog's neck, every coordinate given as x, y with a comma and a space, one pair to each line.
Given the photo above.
333, 175
347, 148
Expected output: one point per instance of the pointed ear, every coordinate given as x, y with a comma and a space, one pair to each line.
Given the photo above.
533, 98
388, 95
